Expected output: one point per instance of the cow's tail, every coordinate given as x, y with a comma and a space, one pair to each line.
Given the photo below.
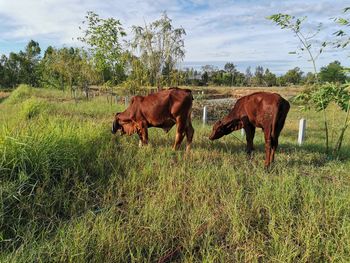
279, 118
189, 91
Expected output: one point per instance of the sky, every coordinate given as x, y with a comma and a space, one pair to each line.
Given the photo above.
217, 31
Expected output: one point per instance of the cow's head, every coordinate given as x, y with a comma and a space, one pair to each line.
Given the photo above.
224, 127
125, 126
116, 126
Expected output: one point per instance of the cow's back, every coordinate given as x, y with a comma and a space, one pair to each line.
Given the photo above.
261, 106
161, 107
181, 101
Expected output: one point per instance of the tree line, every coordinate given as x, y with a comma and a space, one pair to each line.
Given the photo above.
150, 58
230, 76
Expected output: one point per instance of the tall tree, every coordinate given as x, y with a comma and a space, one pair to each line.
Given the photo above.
231, 68
259, 76
248, 76
160, 46
29, 63
103, 36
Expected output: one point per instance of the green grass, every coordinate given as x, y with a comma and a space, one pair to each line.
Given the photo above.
72, 192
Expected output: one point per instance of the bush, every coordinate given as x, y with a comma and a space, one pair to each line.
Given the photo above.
32, 108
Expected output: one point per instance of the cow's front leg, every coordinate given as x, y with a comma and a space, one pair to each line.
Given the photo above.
180, 132
143, 134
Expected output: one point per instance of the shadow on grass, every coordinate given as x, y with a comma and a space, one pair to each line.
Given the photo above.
310, 154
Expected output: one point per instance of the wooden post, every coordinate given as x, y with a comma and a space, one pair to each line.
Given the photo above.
126, 100
205, 115
242, 132
301, 135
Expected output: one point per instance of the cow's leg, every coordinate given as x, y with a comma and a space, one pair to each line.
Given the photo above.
189, 135
274, 145
140, 139
267, 133
250, 133
143, 133
180, 132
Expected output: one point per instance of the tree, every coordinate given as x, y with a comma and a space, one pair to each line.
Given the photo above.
248, 76
293, 76
160, 46
68, 68
103, 38
138, 75
231, 68
334, 72
29, 61
270, 78
21, 67
309, 79
295, 25
258, 79
205, 77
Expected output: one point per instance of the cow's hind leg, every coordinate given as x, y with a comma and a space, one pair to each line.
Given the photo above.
250, 133
180, 132
189, 135
267, 133
274, 145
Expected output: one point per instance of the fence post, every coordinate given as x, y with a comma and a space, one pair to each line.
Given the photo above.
126, 101
242, 132
301, 134
205, 115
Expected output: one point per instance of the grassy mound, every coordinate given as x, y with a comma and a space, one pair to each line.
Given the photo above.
20, 94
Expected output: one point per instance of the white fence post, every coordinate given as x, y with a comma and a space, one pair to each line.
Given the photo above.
205, 115
126, 101
301, 134
242, 132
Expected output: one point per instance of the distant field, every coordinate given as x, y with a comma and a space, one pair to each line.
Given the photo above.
72, 192
217, 91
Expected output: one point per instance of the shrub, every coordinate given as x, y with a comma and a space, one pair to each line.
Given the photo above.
32, 108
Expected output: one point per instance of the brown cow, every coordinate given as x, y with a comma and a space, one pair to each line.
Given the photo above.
163, 110
261, 109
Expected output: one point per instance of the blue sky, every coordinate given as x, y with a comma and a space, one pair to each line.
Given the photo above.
217, 31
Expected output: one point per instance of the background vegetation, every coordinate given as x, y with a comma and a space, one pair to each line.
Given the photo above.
150, 58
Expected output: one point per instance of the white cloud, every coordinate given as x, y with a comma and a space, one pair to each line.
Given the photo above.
216, 30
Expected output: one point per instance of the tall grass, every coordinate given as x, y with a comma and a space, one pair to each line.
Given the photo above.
71, 192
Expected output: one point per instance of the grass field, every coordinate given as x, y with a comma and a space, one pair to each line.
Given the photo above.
72, 192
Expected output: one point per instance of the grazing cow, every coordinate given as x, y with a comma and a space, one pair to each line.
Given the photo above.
261, 109
162, 109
